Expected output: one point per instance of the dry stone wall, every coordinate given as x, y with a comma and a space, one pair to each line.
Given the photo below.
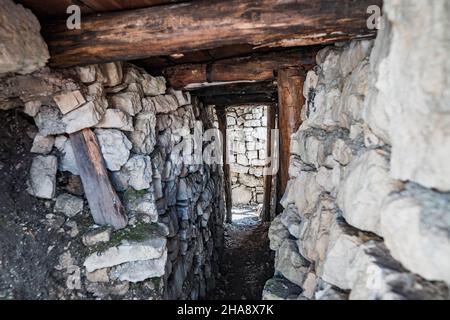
247, 135
170, 247
367, 208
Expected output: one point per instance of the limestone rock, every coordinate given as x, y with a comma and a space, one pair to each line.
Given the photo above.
153, 86
109, 74
141, 203
379, 277
415, 225
342, 153
164, 103
23, 49
143, 137
249, 180
280, 289
353, 54
43, 144
136, 173
314, 233
277, 233
96, 236
68, 101
49, 121
32, 107
183, 97
68, 204
291, 220
100, 275
42, 179
88, 115
344, 245
129, 102
138, 271
363, 189
290, 263
87, 74
66, 156
304, 192
116, 119
115, 147
152, 248
241, 195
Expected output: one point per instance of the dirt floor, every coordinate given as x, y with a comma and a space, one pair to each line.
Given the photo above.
26, 255
247, 262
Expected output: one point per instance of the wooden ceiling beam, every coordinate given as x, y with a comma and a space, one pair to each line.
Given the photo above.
236, 89
256, 67
241, 99
205, 24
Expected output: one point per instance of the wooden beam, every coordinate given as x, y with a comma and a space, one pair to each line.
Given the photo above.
222, 120
236, 89
104, 203
238, 99
256, 67
206, 24
291, 101
266, 217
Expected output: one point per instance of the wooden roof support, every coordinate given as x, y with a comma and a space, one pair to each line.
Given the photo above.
291, 101
257, 67
238, 99
222, 121
205, 24
236, 89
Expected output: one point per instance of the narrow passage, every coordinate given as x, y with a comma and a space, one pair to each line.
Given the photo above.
247, 261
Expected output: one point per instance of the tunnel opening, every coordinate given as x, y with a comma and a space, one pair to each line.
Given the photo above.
181, 163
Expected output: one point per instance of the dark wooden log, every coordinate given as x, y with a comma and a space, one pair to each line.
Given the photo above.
256, 67
291, 101
240, 99
104, 203
268, 178
206, 24
236, 88
222, 121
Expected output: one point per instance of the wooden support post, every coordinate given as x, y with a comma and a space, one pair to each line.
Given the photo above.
222, 120
291, 101
271, 110
104, 203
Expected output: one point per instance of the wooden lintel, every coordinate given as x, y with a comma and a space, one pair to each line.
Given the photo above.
255, 67
236, 89
206, 24
237, 99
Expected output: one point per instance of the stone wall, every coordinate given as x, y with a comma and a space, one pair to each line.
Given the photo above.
367, 209
170, 246
247, 135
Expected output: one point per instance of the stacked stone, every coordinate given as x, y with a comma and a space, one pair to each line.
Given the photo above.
247, 135
174, 207
367, 209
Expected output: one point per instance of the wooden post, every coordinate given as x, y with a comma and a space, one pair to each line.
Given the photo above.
271, 110
290, 103
222, 120
104, 203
